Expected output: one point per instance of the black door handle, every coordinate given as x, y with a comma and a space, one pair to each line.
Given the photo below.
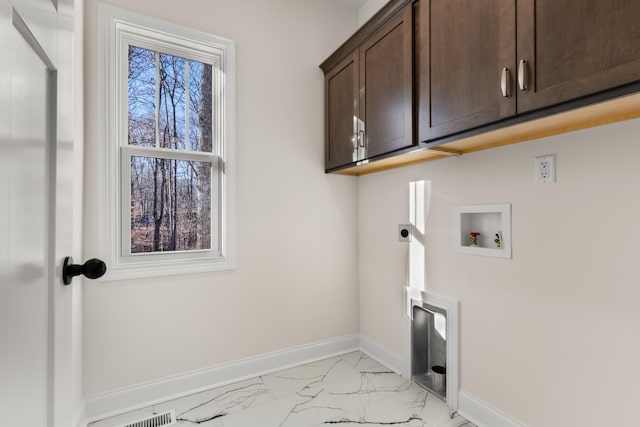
92, 269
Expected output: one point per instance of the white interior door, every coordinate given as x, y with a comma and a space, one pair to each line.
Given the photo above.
35, 213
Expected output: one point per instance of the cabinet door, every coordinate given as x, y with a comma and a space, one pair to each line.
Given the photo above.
386, 86
341, 111
466, 49
574, 48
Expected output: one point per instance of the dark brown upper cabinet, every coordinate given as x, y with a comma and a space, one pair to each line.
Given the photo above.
386, 86
342, 98
481, 74
484, 61
569, 48
466, 56
369, 94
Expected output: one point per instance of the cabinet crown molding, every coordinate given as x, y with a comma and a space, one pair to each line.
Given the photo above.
364, 32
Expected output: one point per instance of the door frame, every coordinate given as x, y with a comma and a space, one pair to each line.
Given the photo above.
50, 27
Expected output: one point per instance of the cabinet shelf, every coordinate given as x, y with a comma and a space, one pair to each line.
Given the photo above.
484, 222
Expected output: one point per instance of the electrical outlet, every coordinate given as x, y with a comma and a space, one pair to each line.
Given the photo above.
404, 232
545, 171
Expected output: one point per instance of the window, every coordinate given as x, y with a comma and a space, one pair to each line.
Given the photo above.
169, 147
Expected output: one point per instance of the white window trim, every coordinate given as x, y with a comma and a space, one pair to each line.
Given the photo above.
119, 26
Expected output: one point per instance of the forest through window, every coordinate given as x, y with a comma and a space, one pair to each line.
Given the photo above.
170, 152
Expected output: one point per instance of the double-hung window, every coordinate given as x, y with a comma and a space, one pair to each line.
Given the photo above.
168, 140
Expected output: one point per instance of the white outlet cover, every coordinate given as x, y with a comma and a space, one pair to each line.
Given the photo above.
545, 169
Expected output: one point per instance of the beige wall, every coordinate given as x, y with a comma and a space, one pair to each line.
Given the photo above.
550, 336
369, 9
296, 280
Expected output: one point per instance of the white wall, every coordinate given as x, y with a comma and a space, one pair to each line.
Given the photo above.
296, 280
369, 9
550, 336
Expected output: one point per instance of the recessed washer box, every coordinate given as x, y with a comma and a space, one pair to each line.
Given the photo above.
487, 223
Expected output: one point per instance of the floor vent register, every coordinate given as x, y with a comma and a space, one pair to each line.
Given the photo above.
157, 420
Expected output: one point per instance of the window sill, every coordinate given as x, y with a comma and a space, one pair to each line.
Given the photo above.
148, 269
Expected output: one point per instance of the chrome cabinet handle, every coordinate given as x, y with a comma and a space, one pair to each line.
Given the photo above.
522, 75
362, 151
505, 84
355, 153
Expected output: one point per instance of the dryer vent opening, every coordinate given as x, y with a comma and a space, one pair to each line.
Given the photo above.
429, 348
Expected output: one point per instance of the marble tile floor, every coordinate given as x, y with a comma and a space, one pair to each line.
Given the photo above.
347, 390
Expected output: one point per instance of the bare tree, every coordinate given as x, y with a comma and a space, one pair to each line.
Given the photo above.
205, 117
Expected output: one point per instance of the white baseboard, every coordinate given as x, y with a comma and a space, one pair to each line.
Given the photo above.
381, 353
482, 414
141, 395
